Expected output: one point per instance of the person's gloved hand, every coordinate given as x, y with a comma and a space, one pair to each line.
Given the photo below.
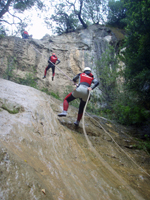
89, 88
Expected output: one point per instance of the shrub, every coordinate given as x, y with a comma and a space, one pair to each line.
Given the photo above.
50, 93
29, 80
9, 73
127, 109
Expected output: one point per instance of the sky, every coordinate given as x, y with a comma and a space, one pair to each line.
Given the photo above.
37, 28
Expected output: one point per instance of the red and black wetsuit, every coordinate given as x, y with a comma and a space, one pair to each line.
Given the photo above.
81, 92
52, 61
25, 35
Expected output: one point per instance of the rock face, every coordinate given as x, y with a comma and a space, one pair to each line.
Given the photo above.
46, 157
75, 50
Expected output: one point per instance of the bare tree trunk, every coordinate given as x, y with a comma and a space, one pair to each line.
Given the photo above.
5, 8
79, 15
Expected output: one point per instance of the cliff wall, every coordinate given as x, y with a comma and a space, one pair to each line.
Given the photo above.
75, 50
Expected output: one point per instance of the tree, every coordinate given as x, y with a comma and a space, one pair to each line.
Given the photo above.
120, 103
78, 12
137, 54
116, 14
18, 6
86, 11
65, 23
92, 10
95, 10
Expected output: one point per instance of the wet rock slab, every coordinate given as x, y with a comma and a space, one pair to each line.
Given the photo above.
44, 157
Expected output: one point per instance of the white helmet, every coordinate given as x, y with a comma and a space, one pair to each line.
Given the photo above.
87, 69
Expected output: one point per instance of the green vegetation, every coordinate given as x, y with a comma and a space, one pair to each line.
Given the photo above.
137, 59
69, 15
119, 33
11, 8
108, 69
29, 80
93, 104
11, 65
45, 90
11, 111
2, 31
143, 144
129, 104
122, 104
127, 111
116, 14
65, 23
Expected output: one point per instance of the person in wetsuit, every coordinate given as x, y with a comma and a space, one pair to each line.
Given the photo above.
52, 61
82, 91
25, 35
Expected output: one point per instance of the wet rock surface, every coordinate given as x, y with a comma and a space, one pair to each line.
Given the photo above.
46, 157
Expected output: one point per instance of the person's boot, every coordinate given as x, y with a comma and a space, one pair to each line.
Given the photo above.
63, 114
44, 76
76, 123
52, 78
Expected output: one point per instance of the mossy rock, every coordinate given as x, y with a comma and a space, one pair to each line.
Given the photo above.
119, 33
11, 107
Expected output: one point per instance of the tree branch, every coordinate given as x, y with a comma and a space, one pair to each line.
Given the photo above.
78, 13
6, 8
15, 16
6, 22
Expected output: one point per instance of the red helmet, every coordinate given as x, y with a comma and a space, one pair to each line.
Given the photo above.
53, 54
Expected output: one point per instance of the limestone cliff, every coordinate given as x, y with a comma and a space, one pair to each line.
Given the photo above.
75, 50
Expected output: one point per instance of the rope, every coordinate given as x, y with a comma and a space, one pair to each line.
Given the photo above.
104, 162
61, 71
90, 144
97, 154
54, 65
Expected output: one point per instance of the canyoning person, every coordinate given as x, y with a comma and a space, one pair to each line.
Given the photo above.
82, 91
52, 61
25, 35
